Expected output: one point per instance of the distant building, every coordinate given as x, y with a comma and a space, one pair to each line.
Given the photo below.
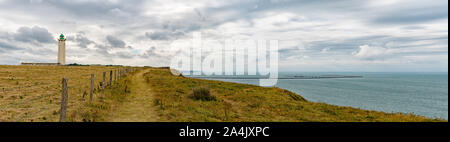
40, 64
61, 54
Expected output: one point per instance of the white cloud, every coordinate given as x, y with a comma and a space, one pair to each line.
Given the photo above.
368, 52
325, 50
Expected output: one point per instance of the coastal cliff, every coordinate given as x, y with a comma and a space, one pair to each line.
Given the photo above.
175, 100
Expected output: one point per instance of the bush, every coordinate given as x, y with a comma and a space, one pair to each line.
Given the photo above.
203, 93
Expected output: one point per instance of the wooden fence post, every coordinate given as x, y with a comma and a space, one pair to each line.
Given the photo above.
64, 100
91, 93
115, 76
103, 82
110, 78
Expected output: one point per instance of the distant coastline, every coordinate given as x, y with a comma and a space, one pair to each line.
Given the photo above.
293, 77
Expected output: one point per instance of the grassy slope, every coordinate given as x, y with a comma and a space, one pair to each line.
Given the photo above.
239, 102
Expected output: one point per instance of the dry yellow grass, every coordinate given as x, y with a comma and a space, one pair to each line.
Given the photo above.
33, 93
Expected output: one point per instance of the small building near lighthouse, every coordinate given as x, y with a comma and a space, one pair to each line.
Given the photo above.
61, 54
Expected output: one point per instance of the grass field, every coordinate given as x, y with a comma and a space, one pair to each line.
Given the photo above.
32, 93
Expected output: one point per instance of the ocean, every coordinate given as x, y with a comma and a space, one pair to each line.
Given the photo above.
423, 94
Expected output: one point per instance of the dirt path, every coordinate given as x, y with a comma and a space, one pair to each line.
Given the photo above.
138, 106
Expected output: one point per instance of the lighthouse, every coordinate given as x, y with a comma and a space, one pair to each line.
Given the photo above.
61, 50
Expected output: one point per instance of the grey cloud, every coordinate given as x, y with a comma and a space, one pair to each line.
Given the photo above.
153, 54
413, 15
6, 46
34, 34
251, 8
103, 51
150, 52
164, 35
83, 41
125, 55
157, 35
115, 42
289, 52
98, 9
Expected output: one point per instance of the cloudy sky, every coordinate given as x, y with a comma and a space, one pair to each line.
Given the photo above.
314, 35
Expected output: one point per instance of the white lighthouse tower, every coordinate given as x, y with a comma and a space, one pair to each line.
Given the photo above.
61, 50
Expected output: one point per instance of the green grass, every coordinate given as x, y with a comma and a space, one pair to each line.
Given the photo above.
202, 93
101, 107
239, 102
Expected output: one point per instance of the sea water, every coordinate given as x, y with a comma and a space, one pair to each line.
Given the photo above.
423, 94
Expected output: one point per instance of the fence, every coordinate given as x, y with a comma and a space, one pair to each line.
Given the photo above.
118, 74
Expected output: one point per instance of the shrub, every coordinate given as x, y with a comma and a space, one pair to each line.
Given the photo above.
203, 93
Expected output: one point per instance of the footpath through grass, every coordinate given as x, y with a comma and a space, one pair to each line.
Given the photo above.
137, 105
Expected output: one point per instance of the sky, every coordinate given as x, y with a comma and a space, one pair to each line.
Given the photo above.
314, 35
